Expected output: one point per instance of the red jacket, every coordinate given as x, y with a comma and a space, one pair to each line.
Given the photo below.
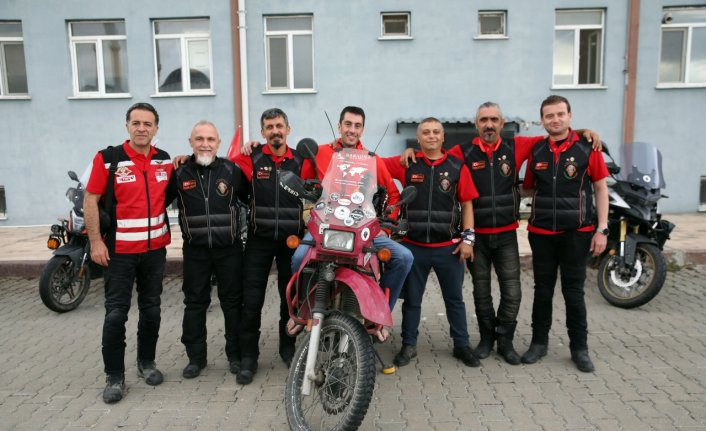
140, 191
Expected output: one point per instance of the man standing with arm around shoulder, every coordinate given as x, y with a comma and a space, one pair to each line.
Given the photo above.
434, 239
135, 244
564, 227
207, 189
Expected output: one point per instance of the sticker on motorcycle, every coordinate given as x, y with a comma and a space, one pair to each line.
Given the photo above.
357, 214
357, 198
349, 221
365, 234
334, 196
341, 213
368, 213
320, 206
328, 210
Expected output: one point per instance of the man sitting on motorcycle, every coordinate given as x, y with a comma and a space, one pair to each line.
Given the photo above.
433, 237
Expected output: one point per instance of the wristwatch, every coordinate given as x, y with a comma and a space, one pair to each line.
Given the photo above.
605, 231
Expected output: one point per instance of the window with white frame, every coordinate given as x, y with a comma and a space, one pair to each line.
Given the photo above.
491, 24
682, 59
99, 58
395, 25
13, 72
182, 56
578, 48
289, 50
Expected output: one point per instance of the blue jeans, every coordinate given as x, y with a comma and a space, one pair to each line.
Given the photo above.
501, 252
396, 269
449, 270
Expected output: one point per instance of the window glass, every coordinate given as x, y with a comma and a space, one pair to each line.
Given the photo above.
288, 23
115, 66
169, 65
278, 62
181, 26
114, 28
491, 23
697, 65
671, 68
16, 71
563, 57
86, 67
687, 16
590, 62
579, 17
303, 62
10, 29
199, 67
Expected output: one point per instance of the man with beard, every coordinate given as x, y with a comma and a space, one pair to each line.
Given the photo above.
207, 189
494, 163
274, 215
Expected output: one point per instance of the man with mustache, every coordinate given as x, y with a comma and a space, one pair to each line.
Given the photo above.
274, 215
207, 189
494, 163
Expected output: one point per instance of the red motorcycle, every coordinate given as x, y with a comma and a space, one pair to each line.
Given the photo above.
336, 294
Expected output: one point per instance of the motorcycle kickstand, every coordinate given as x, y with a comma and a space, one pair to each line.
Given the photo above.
386, 369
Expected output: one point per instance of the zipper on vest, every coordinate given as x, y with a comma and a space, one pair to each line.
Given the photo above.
492, 188
149, 212
431, 192
206, 193
277, 202
555, 167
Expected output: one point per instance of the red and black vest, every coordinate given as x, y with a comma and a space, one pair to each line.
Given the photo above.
139, 221
435, 214
207, 199
563, 197
274, 213
496, 181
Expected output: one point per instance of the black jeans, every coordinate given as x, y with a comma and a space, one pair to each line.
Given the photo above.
199, 264
257, 262
501, 251
122, 272
567, 252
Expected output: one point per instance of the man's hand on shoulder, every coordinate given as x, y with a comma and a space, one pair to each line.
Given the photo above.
592, 137
407, 156
248, 147
179, 160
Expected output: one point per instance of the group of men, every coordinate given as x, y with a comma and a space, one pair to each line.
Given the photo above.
466, 213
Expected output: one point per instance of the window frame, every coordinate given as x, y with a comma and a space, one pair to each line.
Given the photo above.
687, 29
396, 36
288, 35
503, 14
5, 41
184, 39
577, 28
97, 41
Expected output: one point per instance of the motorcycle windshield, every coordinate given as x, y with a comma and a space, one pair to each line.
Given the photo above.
348, 188
641, 164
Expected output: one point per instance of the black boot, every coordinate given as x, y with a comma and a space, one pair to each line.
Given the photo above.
486, 328
505, 335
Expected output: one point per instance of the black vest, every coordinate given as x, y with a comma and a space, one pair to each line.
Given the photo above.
496, 182
563, 199
274, 213
435, 214
207, 199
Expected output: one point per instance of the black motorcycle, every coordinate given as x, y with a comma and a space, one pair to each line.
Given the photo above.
632, 270
67, 276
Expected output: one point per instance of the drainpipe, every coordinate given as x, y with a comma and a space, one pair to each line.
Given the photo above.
240, 67
631, 78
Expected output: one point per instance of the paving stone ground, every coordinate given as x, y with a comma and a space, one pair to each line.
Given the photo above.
650, 370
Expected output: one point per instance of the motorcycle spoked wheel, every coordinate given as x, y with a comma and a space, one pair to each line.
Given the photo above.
345, 378
58, 287
630, 287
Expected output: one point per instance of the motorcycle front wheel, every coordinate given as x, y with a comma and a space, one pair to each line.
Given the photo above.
632, 286
59, 286
344, 378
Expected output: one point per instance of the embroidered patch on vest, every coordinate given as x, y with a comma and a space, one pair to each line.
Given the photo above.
505, 168
222, 187
161, 175
417, 178
124, 175
188, 185
445, 184
541, 166
478, 165
264, 173
570, 169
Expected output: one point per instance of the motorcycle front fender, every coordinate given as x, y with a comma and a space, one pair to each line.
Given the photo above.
73, 251
631, 242
371, 298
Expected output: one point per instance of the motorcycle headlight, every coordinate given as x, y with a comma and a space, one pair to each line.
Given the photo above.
338, 240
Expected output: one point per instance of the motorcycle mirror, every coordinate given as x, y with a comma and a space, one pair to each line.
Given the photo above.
292, 184
73, 175
408, 195
604, 148
308, 148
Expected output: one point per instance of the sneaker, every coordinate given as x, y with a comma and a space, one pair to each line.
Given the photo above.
582, 360
247, 371
114, 388
193, 369
405, 355
148, 370
466, 355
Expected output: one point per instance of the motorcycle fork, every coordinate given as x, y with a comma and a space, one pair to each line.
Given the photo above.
621, 239
323, 290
